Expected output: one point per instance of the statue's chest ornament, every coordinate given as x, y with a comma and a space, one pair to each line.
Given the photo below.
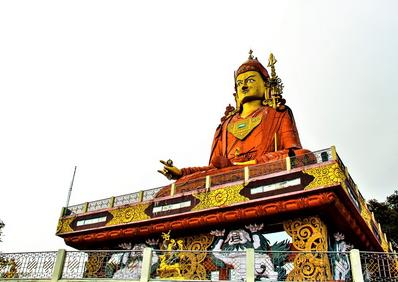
242, 128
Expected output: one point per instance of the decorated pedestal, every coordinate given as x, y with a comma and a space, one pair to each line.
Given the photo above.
310, 203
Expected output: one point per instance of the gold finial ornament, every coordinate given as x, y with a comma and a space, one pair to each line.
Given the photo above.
275, 85
251, 55
271, 64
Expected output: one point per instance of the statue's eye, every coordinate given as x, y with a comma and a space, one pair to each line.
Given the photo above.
250, 80
239, 83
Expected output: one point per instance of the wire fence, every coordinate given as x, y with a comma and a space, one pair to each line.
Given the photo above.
125, 265
33, 265
379, 266
177, 265
302, 266
126, 199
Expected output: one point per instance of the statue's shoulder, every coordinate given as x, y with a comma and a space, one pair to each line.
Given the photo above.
279, 110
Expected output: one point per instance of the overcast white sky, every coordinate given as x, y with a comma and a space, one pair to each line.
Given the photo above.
114, 86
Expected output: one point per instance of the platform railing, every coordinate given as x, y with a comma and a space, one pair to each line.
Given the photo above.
237, 175
159, 265
199, 265
29, 265
115, 264
379, 266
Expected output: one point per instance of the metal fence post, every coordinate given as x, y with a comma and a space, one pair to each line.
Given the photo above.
246, 173
173, 189
288, 164
111, 202
334, 153
250, 265
59, 265
356, 267
146, 265
208, 182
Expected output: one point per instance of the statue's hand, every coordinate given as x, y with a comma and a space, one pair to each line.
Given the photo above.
152, 242
274, 156
125, 246
255, 227
170, 171
221, 162
218, 233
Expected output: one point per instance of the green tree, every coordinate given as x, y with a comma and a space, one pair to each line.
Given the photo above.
386, 213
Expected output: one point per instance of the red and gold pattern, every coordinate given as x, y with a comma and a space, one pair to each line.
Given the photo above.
128, 214
220, 197
309, 235
64, 225
325, 176
191, 266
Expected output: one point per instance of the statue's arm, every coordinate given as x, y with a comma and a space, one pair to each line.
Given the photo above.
190, 170
288, 134
218, 158
288, 139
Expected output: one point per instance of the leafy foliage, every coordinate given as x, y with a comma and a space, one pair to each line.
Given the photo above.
279, 257
386, 213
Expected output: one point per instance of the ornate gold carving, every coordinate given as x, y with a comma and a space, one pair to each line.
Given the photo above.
59, 226
241, 128
365, 213
220, 197
384, 243
64, 225
94, 265
326, 176
192, 267
170, 259
367, 216
128, 214
190, 264
11, 265
309, 235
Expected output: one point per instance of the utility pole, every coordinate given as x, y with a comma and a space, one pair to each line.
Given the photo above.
70, 188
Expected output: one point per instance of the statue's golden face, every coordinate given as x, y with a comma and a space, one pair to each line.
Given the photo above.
250, 86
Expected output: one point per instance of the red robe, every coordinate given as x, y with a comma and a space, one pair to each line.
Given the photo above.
258, 144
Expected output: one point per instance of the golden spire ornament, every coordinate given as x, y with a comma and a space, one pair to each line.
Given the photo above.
271, 64
274, 97
251, 55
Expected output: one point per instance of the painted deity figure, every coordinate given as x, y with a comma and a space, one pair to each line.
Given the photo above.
229, 251
340, 261
170, 259
256, 131
128, 264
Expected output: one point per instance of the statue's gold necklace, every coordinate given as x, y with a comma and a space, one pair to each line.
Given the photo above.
242, 127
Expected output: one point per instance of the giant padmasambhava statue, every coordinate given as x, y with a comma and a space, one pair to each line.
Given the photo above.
260, 129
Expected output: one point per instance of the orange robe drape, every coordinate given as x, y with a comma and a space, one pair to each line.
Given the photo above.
259, 145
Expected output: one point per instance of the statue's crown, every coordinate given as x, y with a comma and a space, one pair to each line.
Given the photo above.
253, 64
